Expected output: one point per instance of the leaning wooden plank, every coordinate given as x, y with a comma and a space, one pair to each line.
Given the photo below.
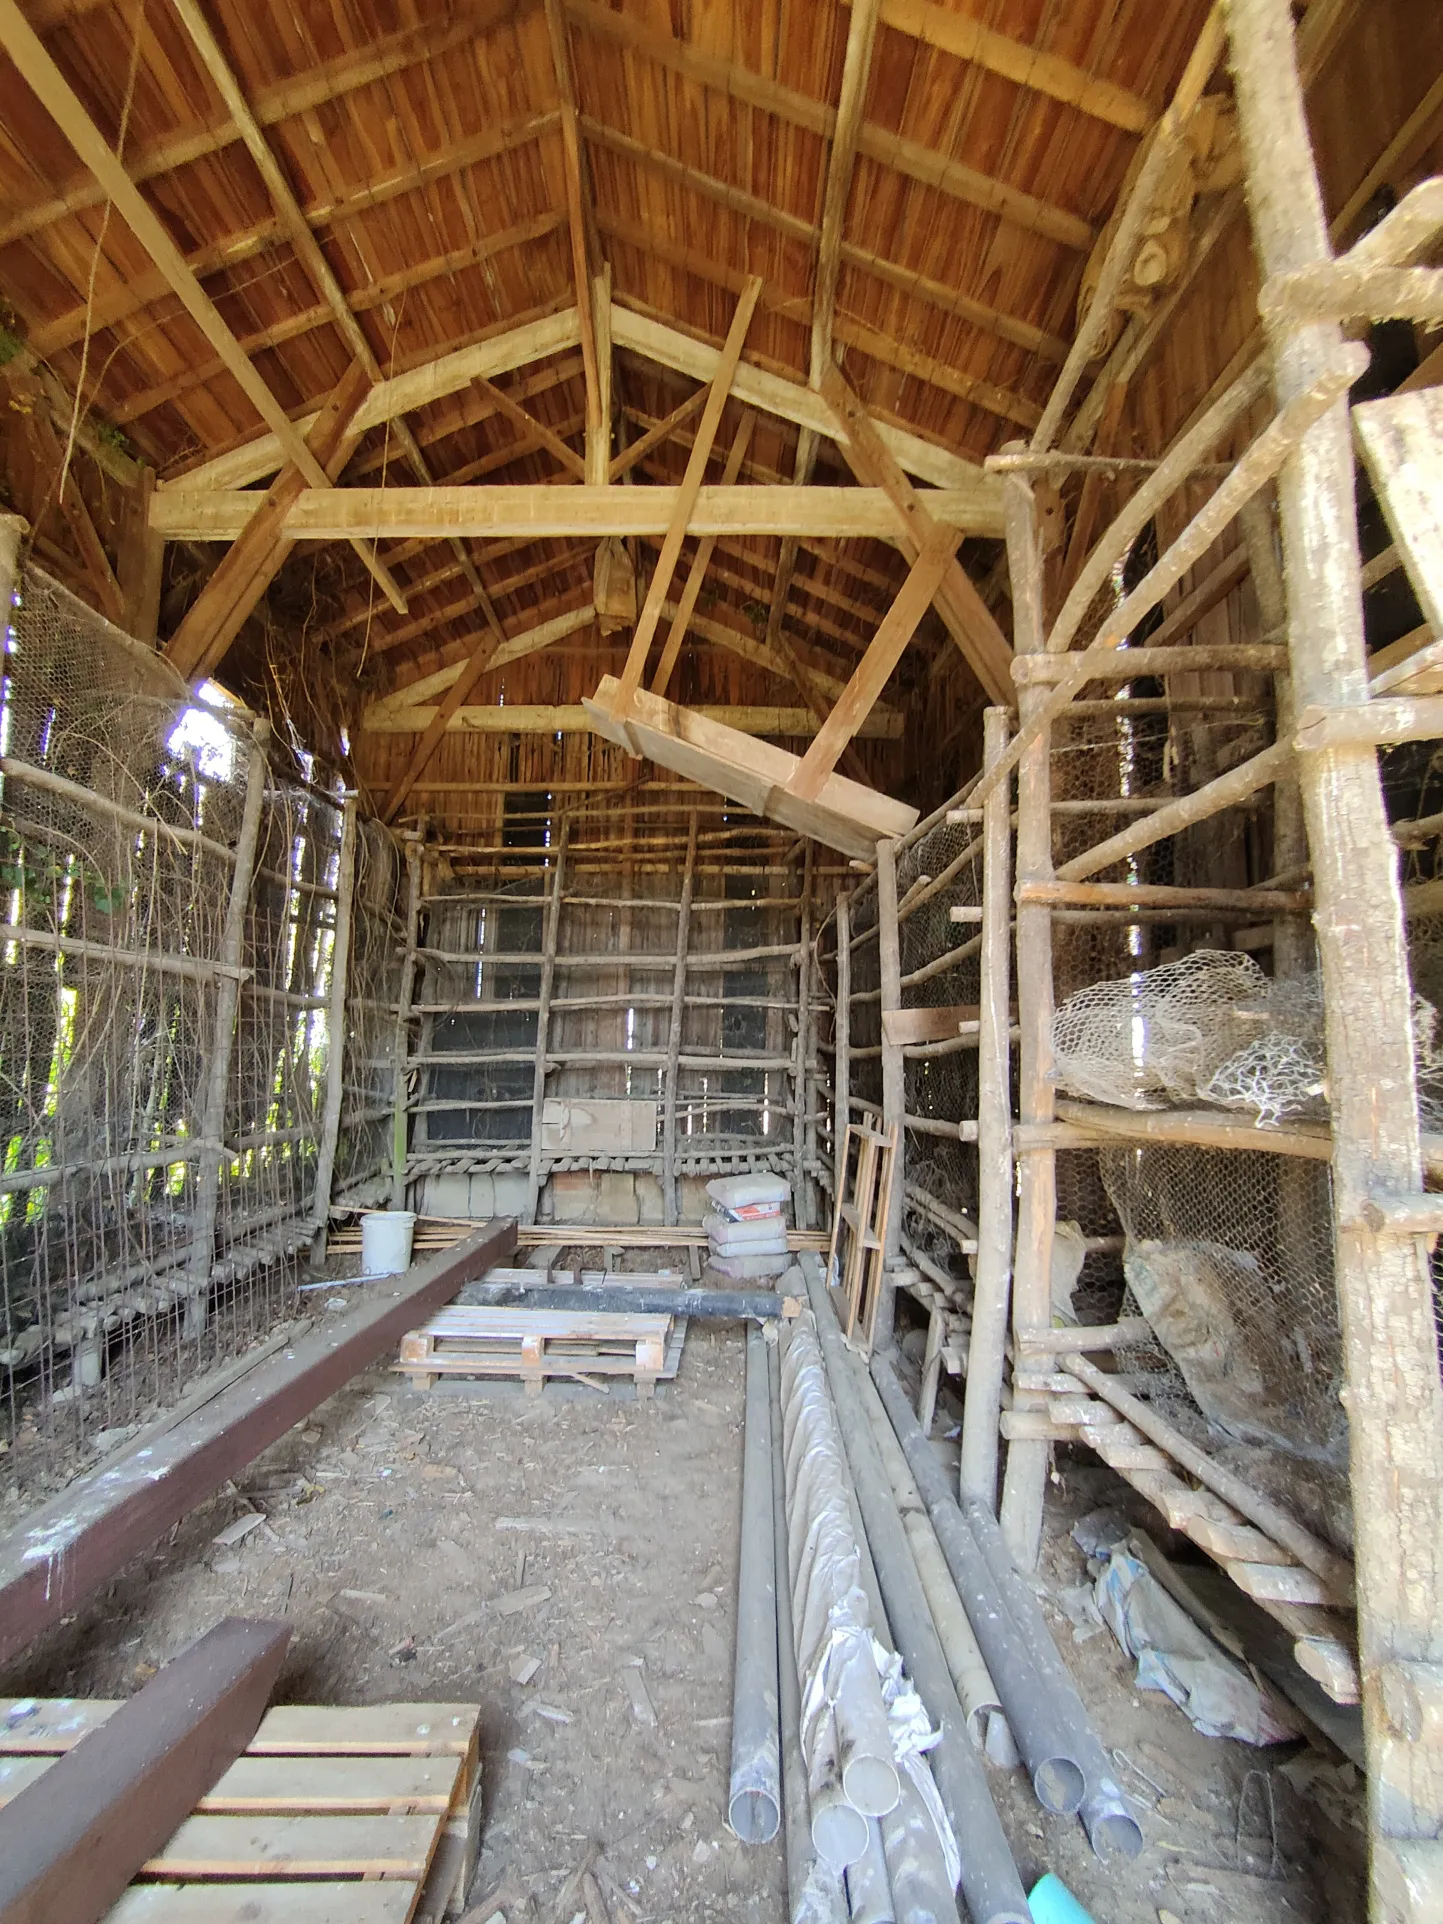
846, 815
874, 670
701, 561
69, 1547
695, 474
387, 1901
71, 1842
246, 570
967, 618
305, 1846
1402, 442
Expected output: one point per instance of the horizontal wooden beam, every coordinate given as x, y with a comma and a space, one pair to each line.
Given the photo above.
543, 511
521, 718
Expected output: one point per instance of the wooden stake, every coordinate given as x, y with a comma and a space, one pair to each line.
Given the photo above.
336, 1038
800, 1104
842, 1043
543, 1018
992, 1287
222, 1045
894, 1083
874, 670
1390, 1345
401, 1044
1025, 1480
673, 1040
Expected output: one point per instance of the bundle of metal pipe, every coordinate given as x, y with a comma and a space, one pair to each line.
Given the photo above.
846, 1739
754, 1808
990, 1883
813, 1889
1067, 1762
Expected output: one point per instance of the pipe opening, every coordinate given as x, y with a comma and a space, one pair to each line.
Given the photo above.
1059, 1785
754, 1815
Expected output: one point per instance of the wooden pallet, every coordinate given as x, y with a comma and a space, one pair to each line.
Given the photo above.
858, 1242
583, 1345
366, 1815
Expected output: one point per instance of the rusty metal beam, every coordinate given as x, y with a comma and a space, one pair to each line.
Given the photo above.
70, 1547
72, 1841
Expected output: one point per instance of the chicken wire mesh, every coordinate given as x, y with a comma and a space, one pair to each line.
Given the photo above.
135, 1250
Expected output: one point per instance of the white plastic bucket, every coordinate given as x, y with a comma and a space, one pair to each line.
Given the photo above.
386, 1241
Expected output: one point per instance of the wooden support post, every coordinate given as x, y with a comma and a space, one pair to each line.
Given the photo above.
597, 466
335, 1031
549, 940
140, 562
13, 528
874, 670
634, 672
673, 1040
401, 1045
842, 1043
1390, 1346
992, 1291
213, 1156
894, 1081
801, 1211
1025, 1480
701, 561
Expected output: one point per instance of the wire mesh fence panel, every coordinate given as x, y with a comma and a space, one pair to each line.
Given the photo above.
136, 1250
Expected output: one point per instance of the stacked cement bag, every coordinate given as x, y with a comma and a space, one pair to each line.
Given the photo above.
747, 1230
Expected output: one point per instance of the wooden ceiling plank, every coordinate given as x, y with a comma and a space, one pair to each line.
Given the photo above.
249, 565
701, 561
418, 387
307, 248
874, 670
141, 292
967, 38
529, 425
966, 616
889, 150
378, 294
59, 99
793, 400
281, 101
686, 495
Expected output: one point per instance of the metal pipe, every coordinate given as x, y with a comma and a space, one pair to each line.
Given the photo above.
869, 1893
814, 1895
990, 1883
754, 1799
1062, 1753
916, 1869
846, 1739
976, 1691
1057, 1776
1106, 1816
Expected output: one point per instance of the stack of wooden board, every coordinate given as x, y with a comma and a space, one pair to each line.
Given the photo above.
582, 1345
357, 1815
846, 815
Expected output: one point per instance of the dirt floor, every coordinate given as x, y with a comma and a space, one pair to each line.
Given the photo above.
568, 1562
